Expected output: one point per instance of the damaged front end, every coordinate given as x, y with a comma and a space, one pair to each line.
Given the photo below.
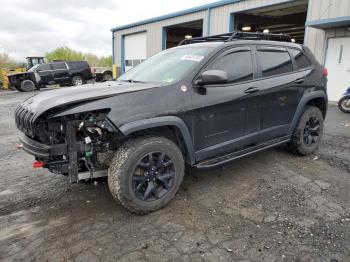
68, 145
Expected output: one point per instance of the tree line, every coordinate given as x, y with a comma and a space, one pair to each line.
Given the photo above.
61, 53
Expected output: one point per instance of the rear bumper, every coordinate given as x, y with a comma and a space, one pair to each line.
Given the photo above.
41, 150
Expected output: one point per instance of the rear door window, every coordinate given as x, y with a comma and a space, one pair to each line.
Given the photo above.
274, 61
59, 66
237, 63
300, 59
78, 65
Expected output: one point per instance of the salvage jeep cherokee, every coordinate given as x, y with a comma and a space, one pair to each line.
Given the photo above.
206, 102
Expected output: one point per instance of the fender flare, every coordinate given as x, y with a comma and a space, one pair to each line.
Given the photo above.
139, 125
304, 100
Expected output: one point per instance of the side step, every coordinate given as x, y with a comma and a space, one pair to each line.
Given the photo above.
244, 152
96, 174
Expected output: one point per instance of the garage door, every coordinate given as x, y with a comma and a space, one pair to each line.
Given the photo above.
338, 65
135, 49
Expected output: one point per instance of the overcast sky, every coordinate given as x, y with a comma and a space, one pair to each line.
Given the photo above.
34, 27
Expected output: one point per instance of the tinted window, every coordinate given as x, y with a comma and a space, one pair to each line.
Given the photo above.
238, 66
78, 65
59, 65
274, 62
44, 67
300, 59
168, 66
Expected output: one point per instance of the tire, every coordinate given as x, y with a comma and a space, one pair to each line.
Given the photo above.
308, 132
107, 77
77, 81
126, 171
344, 104
27, 86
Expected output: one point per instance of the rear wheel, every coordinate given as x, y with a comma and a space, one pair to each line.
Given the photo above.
107, 77
145, 173
77, 80
308, 132
27, 86
344, 104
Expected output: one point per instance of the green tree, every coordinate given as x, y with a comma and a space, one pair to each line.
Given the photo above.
6, 60
92, 59
105, 61
69, 54
64, 53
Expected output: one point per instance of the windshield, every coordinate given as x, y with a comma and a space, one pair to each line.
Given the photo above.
167, 66
32, 69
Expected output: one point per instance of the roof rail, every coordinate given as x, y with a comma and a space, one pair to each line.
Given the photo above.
237, 35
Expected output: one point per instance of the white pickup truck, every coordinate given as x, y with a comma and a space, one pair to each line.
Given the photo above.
103, 73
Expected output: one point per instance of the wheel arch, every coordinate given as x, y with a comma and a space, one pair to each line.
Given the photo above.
107, 72
317, 99
170, 126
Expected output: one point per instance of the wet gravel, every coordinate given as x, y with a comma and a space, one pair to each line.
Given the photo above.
271, 206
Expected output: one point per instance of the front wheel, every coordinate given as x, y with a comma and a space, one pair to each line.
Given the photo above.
344, 104
27, 86
308, 132
146, 173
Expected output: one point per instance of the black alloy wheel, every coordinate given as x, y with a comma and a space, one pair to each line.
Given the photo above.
153, 176
145, 173
312, 131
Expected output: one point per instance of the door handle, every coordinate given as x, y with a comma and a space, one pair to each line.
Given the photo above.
300, 80
251, 90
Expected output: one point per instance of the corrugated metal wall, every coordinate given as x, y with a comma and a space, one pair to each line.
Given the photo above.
324, 9
220, 22
220, 16
154, 33
316, 39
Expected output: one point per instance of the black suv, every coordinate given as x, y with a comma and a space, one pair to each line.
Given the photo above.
61, 73
206, 102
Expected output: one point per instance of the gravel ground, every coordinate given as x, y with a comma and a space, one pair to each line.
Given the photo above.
271, 206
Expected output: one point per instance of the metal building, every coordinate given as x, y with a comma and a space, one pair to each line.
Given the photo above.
322, 25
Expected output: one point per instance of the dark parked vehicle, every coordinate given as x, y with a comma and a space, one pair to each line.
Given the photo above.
61, 73
206, 102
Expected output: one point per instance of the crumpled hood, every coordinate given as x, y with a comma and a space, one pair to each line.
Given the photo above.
46, 100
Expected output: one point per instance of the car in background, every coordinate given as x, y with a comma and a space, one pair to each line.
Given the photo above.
102, 73
63, 73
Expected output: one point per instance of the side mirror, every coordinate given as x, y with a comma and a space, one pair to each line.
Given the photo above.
211, 77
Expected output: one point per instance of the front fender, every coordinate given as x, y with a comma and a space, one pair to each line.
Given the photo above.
139, 125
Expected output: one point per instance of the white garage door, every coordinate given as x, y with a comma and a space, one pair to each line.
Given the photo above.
338, 65
135, 49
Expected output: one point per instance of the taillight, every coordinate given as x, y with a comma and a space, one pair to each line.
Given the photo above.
325, 72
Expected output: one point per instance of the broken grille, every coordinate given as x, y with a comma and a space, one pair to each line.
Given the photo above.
24, 119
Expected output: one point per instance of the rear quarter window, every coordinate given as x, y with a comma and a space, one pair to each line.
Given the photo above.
274, 62
78, 65
300, 59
